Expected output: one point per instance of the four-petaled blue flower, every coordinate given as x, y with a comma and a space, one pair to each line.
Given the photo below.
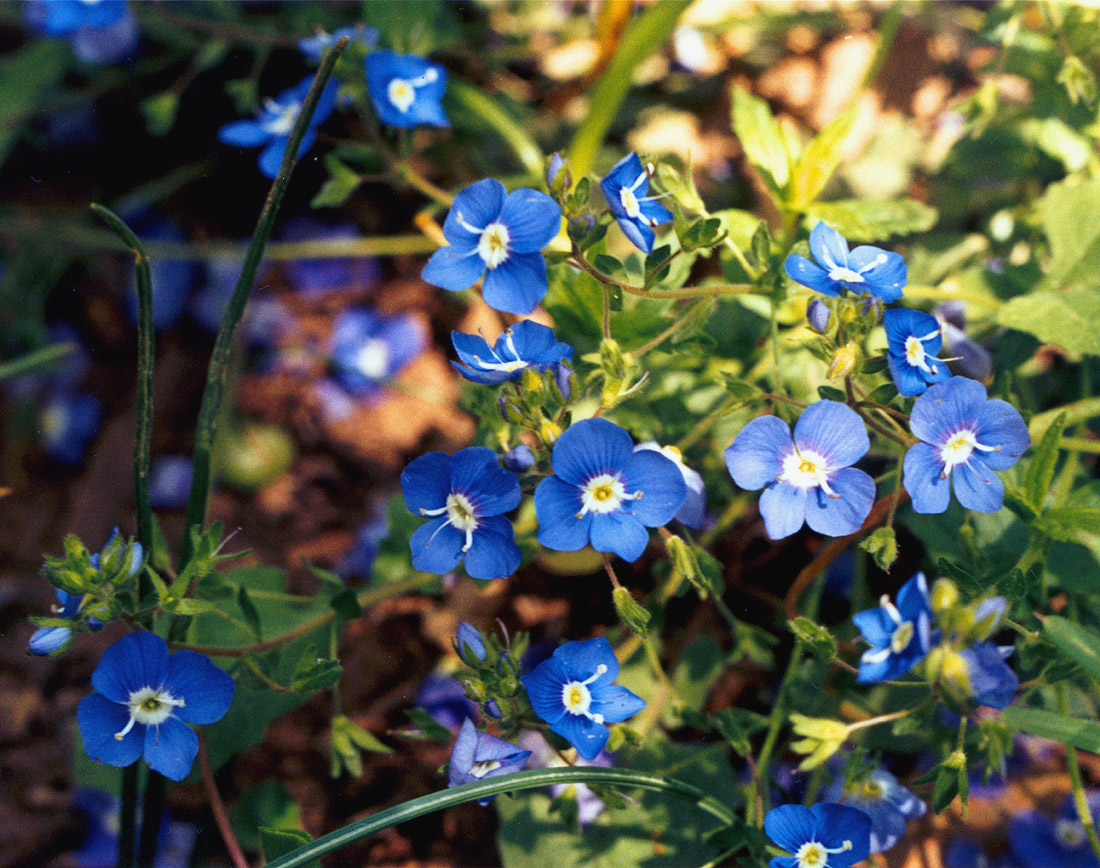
144, 701
100, 31
478, 755
272, 126
882, 798
900, 635
625, 188
468, 493
406, 90
604, 493
498, 234
367, 348
527, 344
573, 691
807, 478
1037, 841
966, 436
694, 511
865, 269
314, 47
824, 836
913, 339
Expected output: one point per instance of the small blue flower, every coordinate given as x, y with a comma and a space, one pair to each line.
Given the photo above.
272, 126
67, 423
478, 755
316, 277
469, 643
499, 234
467, 494
807, 478
966, 436
1039, 842
865, 269
313, 47
100, 31
144, 701
824, 836
694, 511
170, 481
519, 459
406, 90
444, 699
367, 348
625, 188
913, 339
882, 798
984, 676
358, 563
604, 493
527, 344
51, 640
573, 691
900, 636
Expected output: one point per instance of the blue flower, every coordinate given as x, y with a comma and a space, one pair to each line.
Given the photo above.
272, 126
965, 438
882, 798
865, 269
913, 339
519, 459
1039, 842
313, 47
900, 635
144, 701
499, 234
406, 90
100, 32
444, 699
67, 423
469, 492
984, 676
315, 277
478, 755
170, 481
52, 640
527, 344
694, 511
573, 691
469, 643
367, 348
824, 836
604, 493
807, 478
358, 563
625, 188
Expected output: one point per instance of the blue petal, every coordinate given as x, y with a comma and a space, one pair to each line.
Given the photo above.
491, 378
462, 754
661, 484
135, 661
620, 534
536, 343
922, 468
46, 640
913, 597
476, 473
1034, 843
846, 514
616, 703
206, 690
908, 379
876, 625
901, 323
885, 279
436, 546
453, 268
580, 661
801, 270
171, 748
556, 506
784, 509
587, 736
834, 431
426, 482
477, 205
243, 134
977, 487
271, 157
640, 235
992, 681
493, 553
99, 719
471, 349
533, 220
783, 862
654, 212
544, 689
753, 459
947, 408
623, 174
828, 247
790, 826
590, 448
517, 285
1000, 424
839, 823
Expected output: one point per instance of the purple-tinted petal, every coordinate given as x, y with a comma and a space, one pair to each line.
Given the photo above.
661, 484
171, 748
828, 247
947, 408
436, 546
876, 625
845, 514
207, 691
784, 509
517, 285
754, 457
834, 431
977, 487
590, 448
135, 661
454, 268
426, 482
922, 479
640, 235
476, 206
462, 754
619, 534
1000, 424
801, 270
533, 220
99, 719
493, 553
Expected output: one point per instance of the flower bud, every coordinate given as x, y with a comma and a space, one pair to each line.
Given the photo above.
549, 432
844, 360
531, 381
510, 412
558, 177
987, 616
819, 316
821, 739
944, 596
519, 459
563, 381
469, 643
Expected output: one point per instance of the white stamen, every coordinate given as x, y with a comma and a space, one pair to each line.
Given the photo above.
493, 244
959, 448
603, 494
150, 706
577, 698
460, 514
806, 470
482, 768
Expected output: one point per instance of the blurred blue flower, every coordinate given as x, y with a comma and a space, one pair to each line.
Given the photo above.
367, 348
824, 836
406, 90
574, 692
100, 31
173, 279
67, 423
965, 437
1037, 841
99, 847
498, 234
478, 755
144, 701
527, 344
882, 798
984, 676
971, 358
865, 269
543, 756
604, 493
900, 636
315, 277
519, 459
807, 478
625, 188
913, 339
443, 698
358, 563
313, 47
694, 511
466, 494
964, 853
170, 481
272, 126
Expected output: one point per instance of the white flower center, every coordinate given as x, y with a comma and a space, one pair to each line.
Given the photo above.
899, 639
515, 363
577, 698
460, 514
281, 119
402, 91
604, 493
1070, 833
53, 421
372, 359
482, 768
959, 448
915, 354
847, 275
150, 706
806, 469
493, 244
630, 203
813, 854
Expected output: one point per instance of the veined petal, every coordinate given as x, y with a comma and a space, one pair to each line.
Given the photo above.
206, 690
476, 472
470, 348
884, 271
477, 205
487, 378
436, 546
587, 736
580, 660
977, 487
922, 468
947, 408
454, 268
1000, 424
837, 824
834, 431
544, 689
753, 459
784, 509
426, 482
99, 719
845, 514
517, 285
620, 534
616, 703
589, 448
171, 748
661, 484
801, 270
556, 506
790, 826
828, 247
533, 220
493, 552
135, 661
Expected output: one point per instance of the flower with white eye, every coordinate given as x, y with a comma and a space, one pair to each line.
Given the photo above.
478, 755
824, 836
836, 269
626, 189
913, 339
406, 90
900, 635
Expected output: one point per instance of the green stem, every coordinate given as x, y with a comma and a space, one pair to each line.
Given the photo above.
46, 357
1084, 814
1079, 444
689, 292
519, 781
214, 392
775, 724
127, 818
500, 121
702, 304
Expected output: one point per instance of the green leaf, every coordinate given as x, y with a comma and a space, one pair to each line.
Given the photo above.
428, 728
819, 160
315, 673
817, 639
873, 220
190, 606
737, 726
744, 393
341, 183
1040, 471
1074, 731
761, 138
632, 613
1077, 643
882, 545
160, 112
248, 609
1068, 523
946, 788
278, 842
346, 605
267, 804
1069, 318
26, 76
832, 394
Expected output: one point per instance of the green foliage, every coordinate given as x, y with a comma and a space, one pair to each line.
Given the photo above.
1060, 728
872, 220
26, 78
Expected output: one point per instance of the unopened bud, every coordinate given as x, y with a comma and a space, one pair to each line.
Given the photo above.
563, 382
549, 432
558, 177
944, 596
818, 315
844, 360
519, 459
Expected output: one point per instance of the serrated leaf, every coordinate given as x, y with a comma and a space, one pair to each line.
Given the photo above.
866, 220
761, 139
1075, 731
819, 160
1075, 642
1040, 472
